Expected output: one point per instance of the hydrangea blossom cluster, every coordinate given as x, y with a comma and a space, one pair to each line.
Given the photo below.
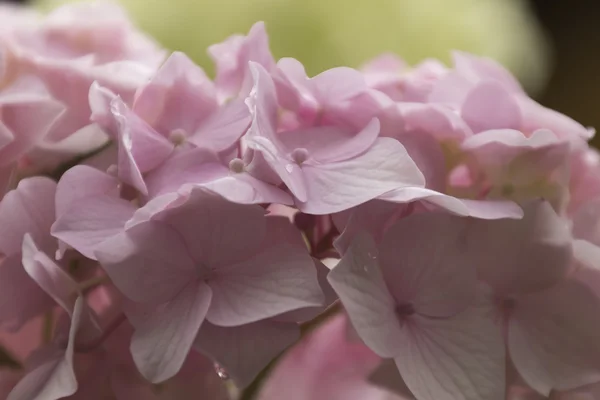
392, 232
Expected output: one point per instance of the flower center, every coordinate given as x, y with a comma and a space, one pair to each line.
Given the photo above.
237, 166
404, 310
299, 155
177, 137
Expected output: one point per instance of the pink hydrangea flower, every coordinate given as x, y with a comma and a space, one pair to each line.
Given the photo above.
421, 306
236, 278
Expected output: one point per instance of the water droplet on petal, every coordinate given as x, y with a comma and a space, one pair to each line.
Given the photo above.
289, 168
221, 371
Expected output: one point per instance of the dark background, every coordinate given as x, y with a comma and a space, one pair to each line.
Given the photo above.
574, 30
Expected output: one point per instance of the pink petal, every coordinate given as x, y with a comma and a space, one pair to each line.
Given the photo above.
424, 263
80, 182
327, 144
535, 117
55, 378
199, 167
100, 99
141, 148
479, 68
27, 209
246, 350
49, 276
28, 113
188, 166
164, 337
337, 85
92, 221
457, 358
148, 263
552, 337
325, 365
308, 313
20, 297
337, 186
387, 376
586, 222
262, 103
372, 217
233, 55
516, 256
179, 97
221, 130
490, 106
359, 283
290, 173
279, 279
436, 120
485, 209
216, 231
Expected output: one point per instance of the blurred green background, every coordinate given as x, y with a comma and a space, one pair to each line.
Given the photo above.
550, 45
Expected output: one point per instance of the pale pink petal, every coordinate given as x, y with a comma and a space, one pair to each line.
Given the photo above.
201, 168
516, 256
244, 351
325, 365
290, 173
436, 120
216, 231
20, 297
491, 106
337, 85
327, 144
457, 358
279, 279
484, 209
187, 166
308, 313
28, 113
100, 99
80, 182
27, 209
358, 281
179, 97
535, 117
221, 130
337, 186
552, 337
424, 263
232, 57
55, 377
478, 68
141, 148
49, 276
148, 263
427, 152
373, 217
164, 336
91, 221
387, 376
586, 222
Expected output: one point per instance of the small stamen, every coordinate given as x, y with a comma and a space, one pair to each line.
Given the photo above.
177, 137
299, 155
237, 166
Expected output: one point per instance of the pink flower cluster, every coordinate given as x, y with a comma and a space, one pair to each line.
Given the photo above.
168, 236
